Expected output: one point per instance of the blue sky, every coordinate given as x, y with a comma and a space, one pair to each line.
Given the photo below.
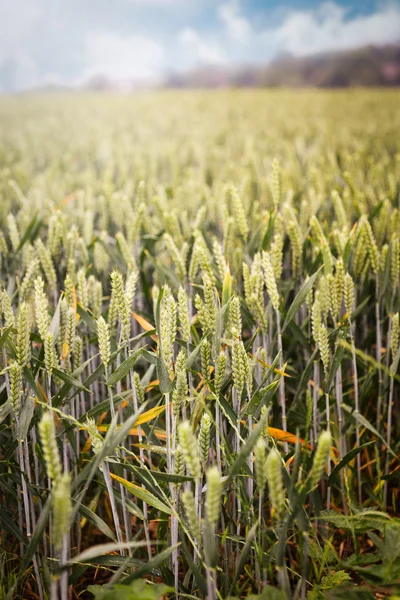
71, 41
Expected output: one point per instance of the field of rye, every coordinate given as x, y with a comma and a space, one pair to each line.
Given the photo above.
199, 346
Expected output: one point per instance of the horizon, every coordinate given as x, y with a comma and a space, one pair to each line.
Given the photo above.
48, 44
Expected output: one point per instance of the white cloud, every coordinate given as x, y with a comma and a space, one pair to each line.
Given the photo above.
327, 28
48, 40
157, 2
237, 26
17, 22
202, 48
123, 58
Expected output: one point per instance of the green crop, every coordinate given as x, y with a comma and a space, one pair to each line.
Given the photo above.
199, 345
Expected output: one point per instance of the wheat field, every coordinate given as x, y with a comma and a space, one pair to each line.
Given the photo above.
199, 345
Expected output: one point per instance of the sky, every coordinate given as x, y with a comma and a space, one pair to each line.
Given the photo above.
69, 42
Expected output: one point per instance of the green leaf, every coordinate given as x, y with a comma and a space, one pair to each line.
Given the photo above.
357, 560
268, 234
365, 423
221, 319
305, 376
300, 299
244, 554
268, 593
261, 396
163, 376
193, 355
334, 579
7, 524
139, 590
161, 476
36, 539
271, 368
227, 287
151, 357
228, 412
4, 336
196, 570
361, 522
30, 232
344, 592
25, 418
70, 380
87, 318
150, 565
102, 549
124, 368
97, 521
32, 383
143, 494
335, 364
55, 321
345, 460
5, 410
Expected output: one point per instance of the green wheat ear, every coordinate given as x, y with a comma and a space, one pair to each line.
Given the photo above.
270, 282
168, 322
81, 289
138, 388
372, 246
276, 183
395, 263
209, 304
96, 438
183, 314
260, 455
41, 308
213, 495
50, 358
395, 335
28, 280
321, 457
204, 438
6, 309
275, 481
23, 343
62, 509
95, 293
13, 232
180, 391
220, 371
103, 335
122, 303
130, 286
239, 365
235, 317
348, 293
69, 290
191, 513
323, 344
49, 446
46, 263
189, 447
239, 214
15, 371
